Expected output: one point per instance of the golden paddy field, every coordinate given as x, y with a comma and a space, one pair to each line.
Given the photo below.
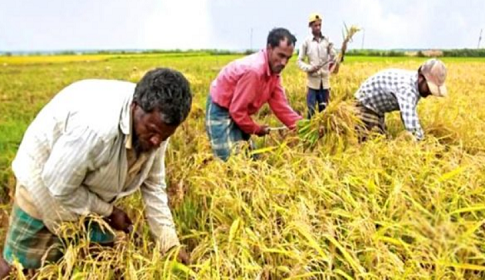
385, 209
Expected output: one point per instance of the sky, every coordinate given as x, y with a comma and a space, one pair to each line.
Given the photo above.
32, 25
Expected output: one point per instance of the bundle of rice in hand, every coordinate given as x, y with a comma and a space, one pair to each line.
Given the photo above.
347, 34
334, 128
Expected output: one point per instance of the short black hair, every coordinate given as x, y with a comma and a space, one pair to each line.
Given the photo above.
277, 35
165, 90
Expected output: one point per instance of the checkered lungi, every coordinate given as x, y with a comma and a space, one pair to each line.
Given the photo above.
372, 122
32, 244
225, 136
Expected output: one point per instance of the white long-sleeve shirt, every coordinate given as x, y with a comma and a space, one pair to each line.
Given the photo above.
73, 159
318, 51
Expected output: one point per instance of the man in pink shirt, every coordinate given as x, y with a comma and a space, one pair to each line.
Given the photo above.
242, 88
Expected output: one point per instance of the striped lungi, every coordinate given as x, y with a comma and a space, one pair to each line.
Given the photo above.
225, 136
32, 244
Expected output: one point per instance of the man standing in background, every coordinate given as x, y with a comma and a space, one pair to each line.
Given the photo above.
321, 62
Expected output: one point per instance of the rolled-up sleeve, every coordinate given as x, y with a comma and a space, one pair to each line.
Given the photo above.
155, 198
306, 67
331, 52
75, 153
